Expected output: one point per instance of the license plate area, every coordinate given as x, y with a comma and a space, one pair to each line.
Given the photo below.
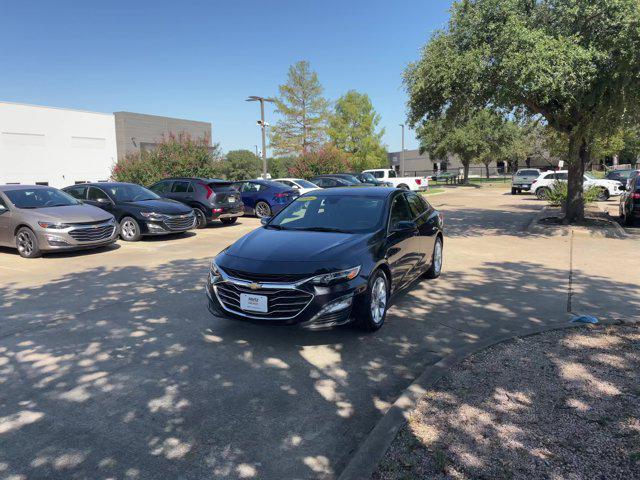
253, 303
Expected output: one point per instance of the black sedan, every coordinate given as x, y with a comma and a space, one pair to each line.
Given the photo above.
138, 211
329, 258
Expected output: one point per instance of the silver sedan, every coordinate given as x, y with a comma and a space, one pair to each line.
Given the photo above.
35, 219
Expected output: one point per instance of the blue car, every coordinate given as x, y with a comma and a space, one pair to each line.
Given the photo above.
265, 198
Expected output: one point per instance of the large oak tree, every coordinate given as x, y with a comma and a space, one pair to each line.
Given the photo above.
574, 62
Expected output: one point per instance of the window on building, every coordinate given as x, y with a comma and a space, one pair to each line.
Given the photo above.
78, 182
44, 184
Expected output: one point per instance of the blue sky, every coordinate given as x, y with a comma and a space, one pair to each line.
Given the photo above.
201, 59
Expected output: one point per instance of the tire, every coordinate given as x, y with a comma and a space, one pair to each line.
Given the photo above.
403, 186
514, 191
436, 260
376, 303
229, 221
542, 193
603, 195
130, 230
200, 218
27, 243
263, 210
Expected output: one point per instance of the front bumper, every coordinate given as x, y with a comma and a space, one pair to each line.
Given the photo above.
77, 236
172, 224
299, 303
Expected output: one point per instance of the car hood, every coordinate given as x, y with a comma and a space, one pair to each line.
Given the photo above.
161, 205
71, 214
265, 250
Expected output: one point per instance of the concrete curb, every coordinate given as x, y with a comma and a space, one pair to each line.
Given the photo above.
616, 230
372, 449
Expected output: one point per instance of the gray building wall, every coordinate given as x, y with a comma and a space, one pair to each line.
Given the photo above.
136, 132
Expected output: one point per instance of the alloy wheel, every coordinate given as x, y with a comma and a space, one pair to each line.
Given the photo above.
263, 210
378, 300
437, 257
25, 243
201, 219
128, 229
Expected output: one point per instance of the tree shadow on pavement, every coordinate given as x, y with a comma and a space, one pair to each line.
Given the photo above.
122, 372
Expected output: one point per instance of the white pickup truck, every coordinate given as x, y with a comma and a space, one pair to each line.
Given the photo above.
406, 183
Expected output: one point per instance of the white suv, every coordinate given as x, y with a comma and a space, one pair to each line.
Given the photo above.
543, 184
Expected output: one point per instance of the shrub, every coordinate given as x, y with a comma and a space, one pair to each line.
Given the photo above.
173, 156
557, 195
240, 165
329, 159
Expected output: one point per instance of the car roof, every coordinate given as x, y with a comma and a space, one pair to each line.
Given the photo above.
6, 188
200, 179
101, 184
355, 191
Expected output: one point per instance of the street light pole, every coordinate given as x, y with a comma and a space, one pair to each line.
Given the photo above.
263, 126
402, 153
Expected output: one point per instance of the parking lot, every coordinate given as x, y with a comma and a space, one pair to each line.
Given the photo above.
112, 366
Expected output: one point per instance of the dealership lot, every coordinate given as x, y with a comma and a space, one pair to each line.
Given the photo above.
111, 366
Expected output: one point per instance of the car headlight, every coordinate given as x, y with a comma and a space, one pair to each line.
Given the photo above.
154, 216
214, 269
54, 225
333, 277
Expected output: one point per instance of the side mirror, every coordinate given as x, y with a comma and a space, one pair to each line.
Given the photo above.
3, 209
265, 220
405, 226
104, 201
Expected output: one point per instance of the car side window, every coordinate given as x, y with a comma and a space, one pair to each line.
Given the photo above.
97, 195
180, 187
399, 211
416, 206
77, 192
162, 187
318, 181
562, 176
330, 182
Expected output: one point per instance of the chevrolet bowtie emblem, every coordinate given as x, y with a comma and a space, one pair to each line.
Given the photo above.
255, 286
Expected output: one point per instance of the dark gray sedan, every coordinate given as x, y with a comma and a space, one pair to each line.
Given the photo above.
35, 219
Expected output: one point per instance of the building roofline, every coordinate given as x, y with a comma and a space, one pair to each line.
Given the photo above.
54, 108
162, 116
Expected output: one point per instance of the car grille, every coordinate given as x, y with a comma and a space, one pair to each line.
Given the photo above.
92, 234
266, 277
180, 222
282, 304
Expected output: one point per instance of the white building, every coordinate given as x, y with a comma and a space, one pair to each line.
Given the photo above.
55, 146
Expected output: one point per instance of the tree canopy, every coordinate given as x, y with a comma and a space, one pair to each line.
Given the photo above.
574, 62
353, 127
304, 113
240, 165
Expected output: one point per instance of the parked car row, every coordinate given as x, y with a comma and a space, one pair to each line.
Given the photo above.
622, 183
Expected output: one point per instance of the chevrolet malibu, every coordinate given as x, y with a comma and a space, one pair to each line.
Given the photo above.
35, 219
330, 257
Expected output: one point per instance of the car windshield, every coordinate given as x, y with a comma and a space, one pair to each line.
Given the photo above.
305, 184
350, 178
40, 198
331, 213
367, 177
128, 192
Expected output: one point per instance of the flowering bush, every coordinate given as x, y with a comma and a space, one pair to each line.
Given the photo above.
329, 159
173, 156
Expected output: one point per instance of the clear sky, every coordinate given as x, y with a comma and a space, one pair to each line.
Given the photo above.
200, 59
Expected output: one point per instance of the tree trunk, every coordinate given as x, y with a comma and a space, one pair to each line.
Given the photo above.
465, 178
578, 157
486, 166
